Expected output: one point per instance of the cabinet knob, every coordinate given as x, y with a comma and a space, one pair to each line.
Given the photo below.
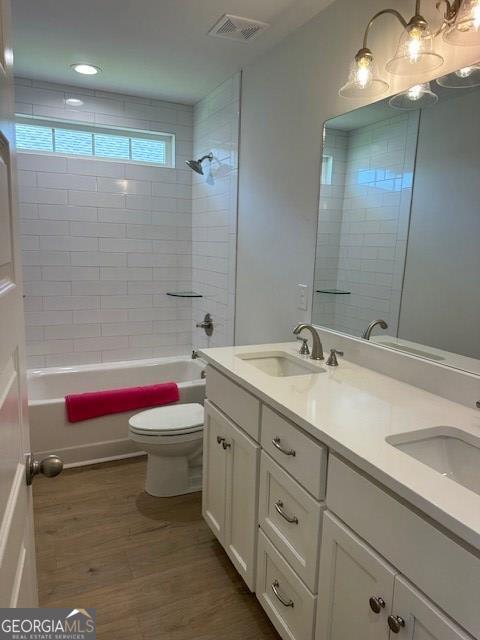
396, 623
376, 604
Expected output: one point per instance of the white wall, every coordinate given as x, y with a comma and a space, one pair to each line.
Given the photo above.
440, 302
214, 212
104, 241
286, 97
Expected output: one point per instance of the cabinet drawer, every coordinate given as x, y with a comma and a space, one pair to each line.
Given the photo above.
286, 600
302, 457
291, 519
238, 404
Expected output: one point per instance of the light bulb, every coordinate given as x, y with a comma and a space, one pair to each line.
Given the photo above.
363, 74
415, 92
414, 44
465, 72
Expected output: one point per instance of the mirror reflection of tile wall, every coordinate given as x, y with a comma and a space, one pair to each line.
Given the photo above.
363, 223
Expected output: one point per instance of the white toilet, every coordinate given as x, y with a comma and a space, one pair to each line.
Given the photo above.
172, 436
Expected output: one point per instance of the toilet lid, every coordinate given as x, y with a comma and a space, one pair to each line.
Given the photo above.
178, 418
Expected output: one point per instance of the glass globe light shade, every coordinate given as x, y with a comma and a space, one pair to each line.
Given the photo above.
463, 78
417, 97
363, 80
415, 54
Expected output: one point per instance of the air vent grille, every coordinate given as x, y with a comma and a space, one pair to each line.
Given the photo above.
236, 28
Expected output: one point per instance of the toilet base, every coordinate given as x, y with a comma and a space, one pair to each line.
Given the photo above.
171, 476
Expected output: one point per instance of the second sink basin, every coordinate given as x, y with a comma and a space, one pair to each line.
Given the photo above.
450, 451
280, 364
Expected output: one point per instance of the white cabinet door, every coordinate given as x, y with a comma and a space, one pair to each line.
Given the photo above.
414, 617
351, 574
243, 455
215, 432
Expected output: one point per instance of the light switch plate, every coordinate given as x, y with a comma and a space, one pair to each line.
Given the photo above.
302, 297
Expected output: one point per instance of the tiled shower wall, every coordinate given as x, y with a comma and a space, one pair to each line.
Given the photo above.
379, 166
214, 212
104, 241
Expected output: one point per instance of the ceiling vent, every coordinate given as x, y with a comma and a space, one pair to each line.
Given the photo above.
235, 28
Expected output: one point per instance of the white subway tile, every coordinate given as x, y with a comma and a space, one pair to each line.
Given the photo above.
67, 243
97, 229
96, 167
72, 331
126, 328
133, 187
45, 318
101, 343
36, 195
29, 243
44, 228
45, 258
71, 302
66, 212
126, 245
127, 273
70, 273
47, 347
98, 259
27, 161
100, 316
126, 302
99, 288
95, 199
45, 288
70, 359
66, 181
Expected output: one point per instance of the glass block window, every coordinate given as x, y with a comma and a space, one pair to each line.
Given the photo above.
145, 147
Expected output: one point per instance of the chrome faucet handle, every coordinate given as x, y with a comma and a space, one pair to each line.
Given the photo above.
332, 359
304, 350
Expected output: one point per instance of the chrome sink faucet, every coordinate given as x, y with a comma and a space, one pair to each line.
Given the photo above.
368, 331
317, 348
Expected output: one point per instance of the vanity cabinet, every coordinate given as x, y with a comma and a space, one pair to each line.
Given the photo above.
230, 487
330, 553
361, 596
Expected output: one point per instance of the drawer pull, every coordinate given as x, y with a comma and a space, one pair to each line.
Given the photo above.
285, 516
226, 445
396, 623
287, 452
220, 439
284, 601
376, 604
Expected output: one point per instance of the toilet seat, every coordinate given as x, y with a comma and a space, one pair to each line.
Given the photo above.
166, 421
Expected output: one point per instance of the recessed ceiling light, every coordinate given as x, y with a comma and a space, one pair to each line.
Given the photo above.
85, 69
74, 102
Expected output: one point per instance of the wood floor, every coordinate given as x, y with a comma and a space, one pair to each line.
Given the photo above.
149, 565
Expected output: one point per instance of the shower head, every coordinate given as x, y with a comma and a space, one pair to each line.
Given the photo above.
196, 165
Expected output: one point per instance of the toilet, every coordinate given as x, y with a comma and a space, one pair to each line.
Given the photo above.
172, 436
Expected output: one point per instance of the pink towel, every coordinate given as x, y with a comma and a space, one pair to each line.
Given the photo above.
84, 406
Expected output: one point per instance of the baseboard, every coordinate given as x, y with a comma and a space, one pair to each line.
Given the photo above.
94, 453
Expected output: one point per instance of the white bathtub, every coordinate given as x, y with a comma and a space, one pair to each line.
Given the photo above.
103, 438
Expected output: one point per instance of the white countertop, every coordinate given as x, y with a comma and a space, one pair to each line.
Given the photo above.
352, 410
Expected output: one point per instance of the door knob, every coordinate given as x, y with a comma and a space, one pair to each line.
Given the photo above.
376, 604
50, 466
396, 623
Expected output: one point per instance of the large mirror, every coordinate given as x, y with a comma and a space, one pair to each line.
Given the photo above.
399, 222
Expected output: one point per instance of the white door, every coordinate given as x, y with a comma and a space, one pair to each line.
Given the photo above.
17, 551
215, 432
241, 502
18, 583
414, 617
355, 591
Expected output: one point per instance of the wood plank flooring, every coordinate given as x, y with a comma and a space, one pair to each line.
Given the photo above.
150, 566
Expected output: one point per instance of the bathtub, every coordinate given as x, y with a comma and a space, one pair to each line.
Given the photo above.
104, 438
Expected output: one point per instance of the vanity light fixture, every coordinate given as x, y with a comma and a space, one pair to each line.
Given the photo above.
415, 51
464, 78
85, 69
416, 97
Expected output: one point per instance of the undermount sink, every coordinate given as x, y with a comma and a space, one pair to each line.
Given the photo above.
450, 451
279, 364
